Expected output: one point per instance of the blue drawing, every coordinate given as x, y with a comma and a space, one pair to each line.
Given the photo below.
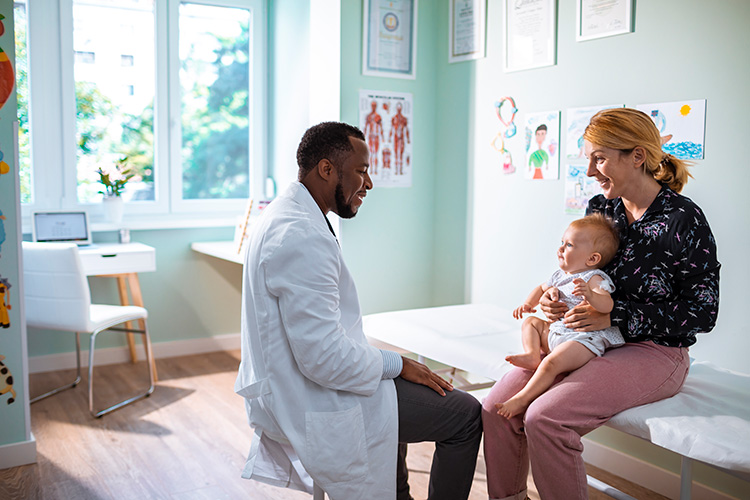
687, 150
682, 126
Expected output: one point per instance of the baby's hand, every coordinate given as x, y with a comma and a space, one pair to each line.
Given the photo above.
518, 311
582, 289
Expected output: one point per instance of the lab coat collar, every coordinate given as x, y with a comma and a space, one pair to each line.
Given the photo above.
302, 195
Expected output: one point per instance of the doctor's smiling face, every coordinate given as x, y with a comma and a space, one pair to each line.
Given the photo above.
353, 179
333, 162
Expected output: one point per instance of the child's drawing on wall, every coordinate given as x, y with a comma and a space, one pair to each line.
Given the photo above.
577, 120
4, 303
542, 140
579, 189
682, 125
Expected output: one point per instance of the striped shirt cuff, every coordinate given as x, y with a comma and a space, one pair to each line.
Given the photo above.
392, 364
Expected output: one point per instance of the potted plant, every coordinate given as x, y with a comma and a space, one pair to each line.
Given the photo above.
114, 181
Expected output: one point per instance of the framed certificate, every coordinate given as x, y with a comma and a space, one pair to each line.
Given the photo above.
390, 38
530, 34
467, 30
600, 18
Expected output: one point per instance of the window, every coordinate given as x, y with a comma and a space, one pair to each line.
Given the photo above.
85, 57
216, 157
175, 86
215, 86
111, 122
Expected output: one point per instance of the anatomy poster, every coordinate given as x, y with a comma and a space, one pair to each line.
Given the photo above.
579, 189
682, 125
542, 145
578, 120
386, 120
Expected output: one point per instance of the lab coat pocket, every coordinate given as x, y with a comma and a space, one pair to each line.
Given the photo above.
335, 445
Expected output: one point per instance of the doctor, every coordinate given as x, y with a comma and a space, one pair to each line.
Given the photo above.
323, 401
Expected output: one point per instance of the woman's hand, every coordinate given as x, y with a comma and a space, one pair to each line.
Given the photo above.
584, 318
551, 306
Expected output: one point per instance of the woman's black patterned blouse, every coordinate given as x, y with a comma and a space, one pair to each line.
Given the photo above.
665, 271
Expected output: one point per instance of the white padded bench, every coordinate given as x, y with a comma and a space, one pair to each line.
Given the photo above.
707, 421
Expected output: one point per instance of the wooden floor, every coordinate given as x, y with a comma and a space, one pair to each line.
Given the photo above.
188, 441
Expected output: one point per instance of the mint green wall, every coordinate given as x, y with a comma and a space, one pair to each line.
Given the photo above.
455, 104
405, 248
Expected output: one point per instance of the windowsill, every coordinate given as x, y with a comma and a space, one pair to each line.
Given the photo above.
149, 223
136, 223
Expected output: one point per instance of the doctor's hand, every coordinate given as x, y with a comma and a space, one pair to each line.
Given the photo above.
416, 372
551, 306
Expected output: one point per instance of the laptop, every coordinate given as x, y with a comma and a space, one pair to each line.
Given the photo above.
61, 227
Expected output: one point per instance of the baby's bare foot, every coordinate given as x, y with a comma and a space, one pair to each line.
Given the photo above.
511, 408
526, 360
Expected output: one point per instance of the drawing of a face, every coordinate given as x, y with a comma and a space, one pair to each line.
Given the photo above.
541, 135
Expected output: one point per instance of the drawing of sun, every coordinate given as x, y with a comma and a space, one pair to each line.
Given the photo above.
685, 110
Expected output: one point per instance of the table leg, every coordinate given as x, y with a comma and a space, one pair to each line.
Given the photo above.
135, 292
686, 478
123, 291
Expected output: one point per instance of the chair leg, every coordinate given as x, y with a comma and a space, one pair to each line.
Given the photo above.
318, 493
66, 386
149, 365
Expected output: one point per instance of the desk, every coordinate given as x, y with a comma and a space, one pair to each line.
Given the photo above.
117, 258
122, 261
226, 250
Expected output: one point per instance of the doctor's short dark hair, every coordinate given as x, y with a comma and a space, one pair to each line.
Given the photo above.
327, 140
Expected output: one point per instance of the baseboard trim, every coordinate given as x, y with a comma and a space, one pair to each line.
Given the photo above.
16, 454
648, 475
113, 355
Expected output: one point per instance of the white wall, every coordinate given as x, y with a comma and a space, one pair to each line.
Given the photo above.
680, 50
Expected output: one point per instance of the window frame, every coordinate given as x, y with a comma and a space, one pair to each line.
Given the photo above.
52, 120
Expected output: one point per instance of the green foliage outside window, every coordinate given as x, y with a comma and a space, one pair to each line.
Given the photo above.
215, 124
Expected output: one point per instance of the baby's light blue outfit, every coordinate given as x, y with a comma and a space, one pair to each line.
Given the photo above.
597, 341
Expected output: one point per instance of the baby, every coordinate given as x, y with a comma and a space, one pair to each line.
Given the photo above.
587, 245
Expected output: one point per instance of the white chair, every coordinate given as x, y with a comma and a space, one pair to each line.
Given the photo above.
57, 297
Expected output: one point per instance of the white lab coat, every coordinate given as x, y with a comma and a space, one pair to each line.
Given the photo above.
312, 383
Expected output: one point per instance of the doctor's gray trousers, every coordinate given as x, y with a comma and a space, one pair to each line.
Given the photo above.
454, 423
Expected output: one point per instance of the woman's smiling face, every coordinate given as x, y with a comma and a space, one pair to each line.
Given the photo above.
612, 168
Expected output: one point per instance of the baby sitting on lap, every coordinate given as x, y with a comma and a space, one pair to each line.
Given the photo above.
587, 245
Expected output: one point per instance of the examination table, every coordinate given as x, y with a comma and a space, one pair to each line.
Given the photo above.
707, 421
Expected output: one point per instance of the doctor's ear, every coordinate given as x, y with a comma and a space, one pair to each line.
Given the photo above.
325, 169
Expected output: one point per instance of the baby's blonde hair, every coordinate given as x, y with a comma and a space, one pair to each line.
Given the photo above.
605, 239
